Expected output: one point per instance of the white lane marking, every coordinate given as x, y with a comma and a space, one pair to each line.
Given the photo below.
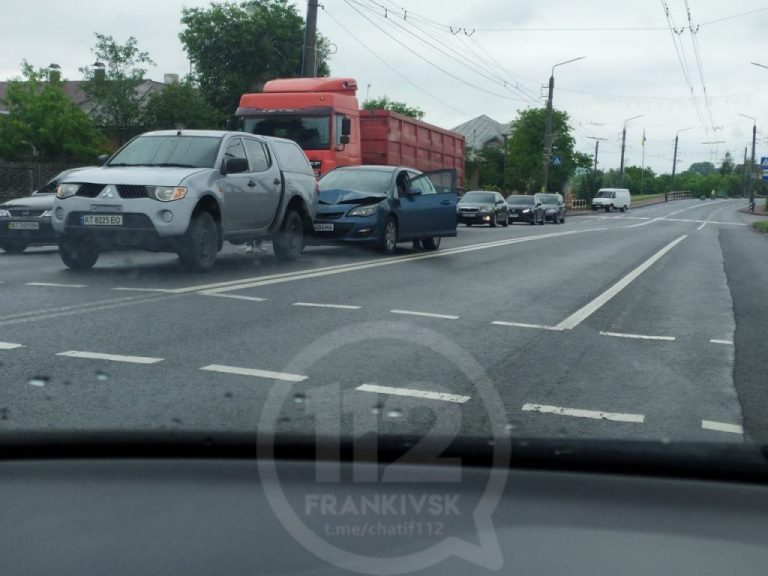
724, 342
722, 427
110, 357
638, 336
254, 373
235, 297
425, 314
53, 285
708, 222
580, 315
455, 398
335, 306
578, 413
159, 290
10, 346
522, 325
667, 216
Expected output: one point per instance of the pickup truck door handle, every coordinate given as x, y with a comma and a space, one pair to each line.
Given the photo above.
251, 183
277, 181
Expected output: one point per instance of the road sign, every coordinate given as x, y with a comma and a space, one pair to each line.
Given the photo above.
557, 161
764, 166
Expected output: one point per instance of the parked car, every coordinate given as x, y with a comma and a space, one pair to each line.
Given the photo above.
482, 207
522, 208
553, 207
384, 205
612, 198
188, 191
26, 221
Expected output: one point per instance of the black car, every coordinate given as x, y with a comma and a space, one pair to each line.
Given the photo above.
27, 221
523, 209
482, 207
553, 207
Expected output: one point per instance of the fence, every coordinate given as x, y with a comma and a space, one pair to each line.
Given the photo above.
579, 205
22, 178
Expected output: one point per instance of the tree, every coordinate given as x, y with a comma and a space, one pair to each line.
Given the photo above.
43, 121
236, 48
524, 150
117, 103
727, 165
702, 168
180, 106
385, 103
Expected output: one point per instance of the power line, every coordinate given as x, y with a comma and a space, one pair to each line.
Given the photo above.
697, 53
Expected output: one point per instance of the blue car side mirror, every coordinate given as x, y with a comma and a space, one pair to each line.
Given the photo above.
414, 192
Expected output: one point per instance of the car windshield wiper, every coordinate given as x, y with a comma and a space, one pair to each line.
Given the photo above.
172, 165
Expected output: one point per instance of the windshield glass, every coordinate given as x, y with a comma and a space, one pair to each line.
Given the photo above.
604, 194
183, 151
520, 200
309, 132
479, 197
549, 199
358, 180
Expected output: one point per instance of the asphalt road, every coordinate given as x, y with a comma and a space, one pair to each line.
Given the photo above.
645, 325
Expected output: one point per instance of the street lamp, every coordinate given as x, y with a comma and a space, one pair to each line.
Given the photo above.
548, 129
623, 142
674, 162
752, 165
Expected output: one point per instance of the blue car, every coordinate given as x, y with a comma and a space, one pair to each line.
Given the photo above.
384, 205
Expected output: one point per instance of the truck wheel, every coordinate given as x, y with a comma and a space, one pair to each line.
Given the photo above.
289, 242
200, 244
77, 255
432, 243
14, 246
389, 237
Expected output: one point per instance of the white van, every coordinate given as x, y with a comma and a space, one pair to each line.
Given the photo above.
610, 198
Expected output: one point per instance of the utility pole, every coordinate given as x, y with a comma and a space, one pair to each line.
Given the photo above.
674, 163
751, 172
597, 149
623, 146
310, 41
745, 168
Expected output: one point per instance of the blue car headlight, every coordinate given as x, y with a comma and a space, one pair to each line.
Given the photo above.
364, 211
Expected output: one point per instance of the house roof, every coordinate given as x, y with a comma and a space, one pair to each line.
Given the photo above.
483, 131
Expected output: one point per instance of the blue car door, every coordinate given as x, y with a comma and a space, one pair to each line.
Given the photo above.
436, 199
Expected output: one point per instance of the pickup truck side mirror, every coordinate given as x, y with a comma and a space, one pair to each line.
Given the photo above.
235, 166
101, 160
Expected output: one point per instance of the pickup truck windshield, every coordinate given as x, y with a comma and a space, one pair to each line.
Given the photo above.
480, 197
358, 180
183, 151
309, 132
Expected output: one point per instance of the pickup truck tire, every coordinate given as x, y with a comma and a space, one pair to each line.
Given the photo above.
77, 255
289, 242
200, 244
14, 246
432, 243
389, 236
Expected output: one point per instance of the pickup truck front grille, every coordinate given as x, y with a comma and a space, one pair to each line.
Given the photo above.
130, 191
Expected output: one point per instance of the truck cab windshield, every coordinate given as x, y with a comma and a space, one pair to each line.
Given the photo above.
309, 132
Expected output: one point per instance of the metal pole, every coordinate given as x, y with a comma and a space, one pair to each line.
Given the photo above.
674, 169
547, 137
752, 166
744, 183
310, 40
621, 166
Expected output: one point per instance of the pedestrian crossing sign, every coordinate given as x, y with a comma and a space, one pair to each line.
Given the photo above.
764, 166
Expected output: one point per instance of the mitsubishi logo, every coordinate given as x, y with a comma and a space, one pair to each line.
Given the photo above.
108, 192
25, 213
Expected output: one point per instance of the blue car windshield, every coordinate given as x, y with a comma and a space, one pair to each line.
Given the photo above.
359, 180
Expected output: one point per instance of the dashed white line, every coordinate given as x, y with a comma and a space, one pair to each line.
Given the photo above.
53, 285
334, 306
723, 342
425, 394
254, 372
638, 336
236, 297
722, 427
158, 290
10, 346
425, 314
579, 413
522, 325
110, 357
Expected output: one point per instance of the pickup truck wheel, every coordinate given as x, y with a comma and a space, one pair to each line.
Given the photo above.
389, 237
289, 242
14, 246
200, 244
432, 243
77, 255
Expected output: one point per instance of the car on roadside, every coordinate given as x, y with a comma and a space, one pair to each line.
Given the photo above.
188, 191
482, 207
26, 221
522, 208
385, 205
552, 208
609, 199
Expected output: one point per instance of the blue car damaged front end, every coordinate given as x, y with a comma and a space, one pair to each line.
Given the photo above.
351, 216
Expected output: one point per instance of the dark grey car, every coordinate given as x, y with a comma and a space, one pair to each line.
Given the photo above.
523, 208
482, 207
553, 208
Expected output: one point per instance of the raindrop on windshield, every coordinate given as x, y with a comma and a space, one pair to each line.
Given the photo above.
39, 381
395, 413
509, 428
3, 413
299, 398
377, 409
101, 376
228, 395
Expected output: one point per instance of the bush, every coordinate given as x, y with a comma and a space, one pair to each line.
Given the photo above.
761, 226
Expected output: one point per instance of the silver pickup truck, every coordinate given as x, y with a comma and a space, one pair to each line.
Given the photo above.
188, 191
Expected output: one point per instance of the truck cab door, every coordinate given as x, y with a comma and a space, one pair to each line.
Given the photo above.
264, 186
234, 188
437, 210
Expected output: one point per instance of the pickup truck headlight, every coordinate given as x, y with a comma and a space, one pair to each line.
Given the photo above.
167, 193
67, 190
364, 211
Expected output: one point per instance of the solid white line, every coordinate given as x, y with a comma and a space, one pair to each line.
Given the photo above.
455, 398
722, 427
51, 285
425, 314
521, 325
578, 413
335, 306
110, 357
160, 290
725, 342
580, 315
707, 221
236, 297
638, 336
10, 346
255, 373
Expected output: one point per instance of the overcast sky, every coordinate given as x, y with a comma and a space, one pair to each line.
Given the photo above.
508, 57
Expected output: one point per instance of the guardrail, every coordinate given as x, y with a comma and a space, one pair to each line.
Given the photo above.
578, 205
